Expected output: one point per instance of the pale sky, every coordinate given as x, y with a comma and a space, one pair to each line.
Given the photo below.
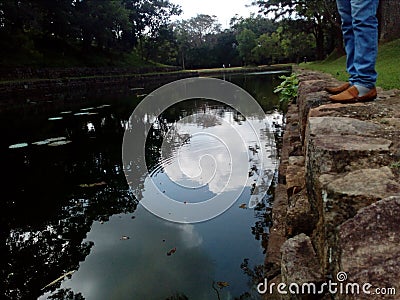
223, 9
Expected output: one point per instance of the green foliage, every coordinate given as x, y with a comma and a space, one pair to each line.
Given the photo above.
247, 41
287, 90
70, 32
318, 17
268, 49
258, 24
196, 40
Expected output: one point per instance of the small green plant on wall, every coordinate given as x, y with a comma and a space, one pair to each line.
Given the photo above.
287, 90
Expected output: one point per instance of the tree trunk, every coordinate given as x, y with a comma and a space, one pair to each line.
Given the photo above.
183, 60
320, 43
389, 16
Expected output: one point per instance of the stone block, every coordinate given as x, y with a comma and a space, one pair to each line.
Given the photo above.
277, 234
370, 247
299, 263
299, 218
295, 176
342, 197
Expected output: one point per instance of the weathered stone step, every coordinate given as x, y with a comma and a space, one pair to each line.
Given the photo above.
370, 248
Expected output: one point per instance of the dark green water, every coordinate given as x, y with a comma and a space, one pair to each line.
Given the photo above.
66, 206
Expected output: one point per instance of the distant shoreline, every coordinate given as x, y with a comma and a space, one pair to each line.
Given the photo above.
52, 84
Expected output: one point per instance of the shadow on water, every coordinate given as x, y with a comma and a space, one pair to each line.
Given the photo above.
66, 207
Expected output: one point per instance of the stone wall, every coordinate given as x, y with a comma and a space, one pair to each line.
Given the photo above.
25, 73
26, 85
25, 91
337, 204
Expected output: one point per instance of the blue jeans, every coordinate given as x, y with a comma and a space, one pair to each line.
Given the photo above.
360, 33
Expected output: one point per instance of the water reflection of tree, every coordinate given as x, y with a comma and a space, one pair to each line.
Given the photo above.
261, 88
48, 213
263, 214
51, 199
39, 254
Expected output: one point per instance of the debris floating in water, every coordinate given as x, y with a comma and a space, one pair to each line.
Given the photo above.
124, 238
58, 279
88, 108
243, 206
17, 146
86, 113
222, 284
104, 106
59, 143
172, 251
41, 143
92, 184
50, 140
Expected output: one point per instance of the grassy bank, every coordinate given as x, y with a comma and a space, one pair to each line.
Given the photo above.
387, 66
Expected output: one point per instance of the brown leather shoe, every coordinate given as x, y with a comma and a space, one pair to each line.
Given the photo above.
351, 95
371, 95
338, 89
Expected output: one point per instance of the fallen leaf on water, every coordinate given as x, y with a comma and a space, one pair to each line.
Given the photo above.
59, 143
222, 284
172, 251
16, 146
92, 184
243, 206
124, 238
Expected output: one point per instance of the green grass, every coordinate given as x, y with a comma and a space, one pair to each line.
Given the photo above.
387, 66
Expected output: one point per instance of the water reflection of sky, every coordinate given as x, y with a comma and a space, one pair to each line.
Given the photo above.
140, 268
205, 252
58, 179
211, 164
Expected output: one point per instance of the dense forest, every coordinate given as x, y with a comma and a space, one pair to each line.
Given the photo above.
136, 32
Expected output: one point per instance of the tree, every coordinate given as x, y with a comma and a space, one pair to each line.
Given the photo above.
196, 37
318, 16
268, 49
81, 28
101, 24
146, 18
161, 47
247, 41
296, 45
225, 49
258, 24
389, 15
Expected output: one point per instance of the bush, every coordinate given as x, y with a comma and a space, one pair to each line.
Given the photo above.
287, 90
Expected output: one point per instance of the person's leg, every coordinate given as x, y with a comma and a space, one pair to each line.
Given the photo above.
345, 11
365, 29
